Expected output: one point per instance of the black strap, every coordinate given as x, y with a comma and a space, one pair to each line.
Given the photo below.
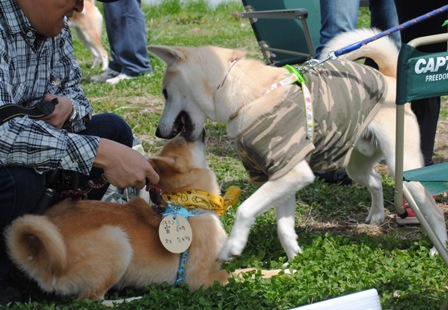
41, 109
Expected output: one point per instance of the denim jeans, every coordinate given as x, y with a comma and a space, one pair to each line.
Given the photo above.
342, 15
21, 187
126, 31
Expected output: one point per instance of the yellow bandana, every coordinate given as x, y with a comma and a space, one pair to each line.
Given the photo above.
198, 199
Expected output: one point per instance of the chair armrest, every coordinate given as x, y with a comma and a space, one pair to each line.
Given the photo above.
276, 14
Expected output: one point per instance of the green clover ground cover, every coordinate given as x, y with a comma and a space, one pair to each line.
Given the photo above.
341, 255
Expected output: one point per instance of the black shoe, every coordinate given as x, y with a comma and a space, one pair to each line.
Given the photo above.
9, 292
334, 177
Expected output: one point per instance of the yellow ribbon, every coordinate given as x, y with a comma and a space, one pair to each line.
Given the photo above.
198, 199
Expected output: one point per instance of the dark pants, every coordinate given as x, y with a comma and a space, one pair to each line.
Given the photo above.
426, 110
21, 188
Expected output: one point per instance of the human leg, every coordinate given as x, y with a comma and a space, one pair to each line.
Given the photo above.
126, 30
336, 17
20, 190
427, 113
409, 9
109, 126
383, 15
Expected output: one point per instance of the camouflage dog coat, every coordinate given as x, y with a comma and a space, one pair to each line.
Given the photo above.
346, 96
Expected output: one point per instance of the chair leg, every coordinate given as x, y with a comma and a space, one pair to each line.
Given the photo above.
428, 222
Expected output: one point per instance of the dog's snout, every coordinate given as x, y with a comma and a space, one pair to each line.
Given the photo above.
163, 133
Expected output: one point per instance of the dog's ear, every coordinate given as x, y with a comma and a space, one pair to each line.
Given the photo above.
153, 162
169, 54
166, 165
238, 54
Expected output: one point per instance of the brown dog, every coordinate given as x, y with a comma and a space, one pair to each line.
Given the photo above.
84, 248
88, 26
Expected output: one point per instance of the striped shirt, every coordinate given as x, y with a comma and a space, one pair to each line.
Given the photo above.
30, 67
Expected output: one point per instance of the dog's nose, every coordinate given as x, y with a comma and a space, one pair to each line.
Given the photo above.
160, 133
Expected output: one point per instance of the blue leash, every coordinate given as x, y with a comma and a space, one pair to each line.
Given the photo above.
333, 55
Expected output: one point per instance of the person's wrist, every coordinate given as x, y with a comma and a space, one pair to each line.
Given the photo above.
73, 115
102, 157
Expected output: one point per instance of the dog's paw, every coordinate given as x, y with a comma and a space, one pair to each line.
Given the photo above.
229, 251
433, 252
375, 218
226, 255
293, 251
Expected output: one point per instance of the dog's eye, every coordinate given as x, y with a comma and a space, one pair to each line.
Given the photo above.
165, 93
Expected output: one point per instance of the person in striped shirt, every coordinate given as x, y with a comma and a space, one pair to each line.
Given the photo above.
37, 64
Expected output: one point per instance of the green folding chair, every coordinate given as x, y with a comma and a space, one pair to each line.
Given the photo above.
287, 31
419, 76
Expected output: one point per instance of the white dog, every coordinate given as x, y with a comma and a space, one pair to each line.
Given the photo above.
281, 137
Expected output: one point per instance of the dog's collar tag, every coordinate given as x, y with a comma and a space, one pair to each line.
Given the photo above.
175, 231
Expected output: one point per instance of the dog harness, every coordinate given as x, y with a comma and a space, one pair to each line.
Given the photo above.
297, 77
346, 97
182, 203
180, 211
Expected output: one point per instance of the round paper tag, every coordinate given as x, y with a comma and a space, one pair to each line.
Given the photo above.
175, 233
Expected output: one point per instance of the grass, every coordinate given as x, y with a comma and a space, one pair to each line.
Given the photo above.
341, 254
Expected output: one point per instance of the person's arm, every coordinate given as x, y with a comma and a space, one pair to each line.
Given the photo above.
65, 82
39, 145
36, 144
123, 166
29, 143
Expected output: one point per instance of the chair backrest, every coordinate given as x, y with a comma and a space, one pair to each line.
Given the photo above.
422, 75
283, 41
419, 76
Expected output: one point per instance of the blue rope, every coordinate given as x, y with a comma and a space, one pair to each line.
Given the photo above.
404, 25
333, 55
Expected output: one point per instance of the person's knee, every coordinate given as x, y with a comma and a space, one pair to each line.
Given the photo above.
121, 128
110, 126
21, 190
123, 131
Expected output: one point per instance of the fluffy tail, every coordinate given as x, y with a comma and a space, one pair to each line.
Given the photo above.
383, 51
36, 246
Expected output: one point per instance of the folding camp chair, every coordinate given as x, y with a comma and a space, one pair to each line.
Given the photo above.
287, 31
419, 76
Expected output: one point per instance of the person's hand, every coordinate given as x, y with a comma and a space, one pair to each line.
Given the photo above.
61, 113
123, 166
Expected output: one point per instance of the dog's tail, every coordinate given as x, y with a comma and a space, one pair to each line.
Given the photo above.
383, 51
35, 244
